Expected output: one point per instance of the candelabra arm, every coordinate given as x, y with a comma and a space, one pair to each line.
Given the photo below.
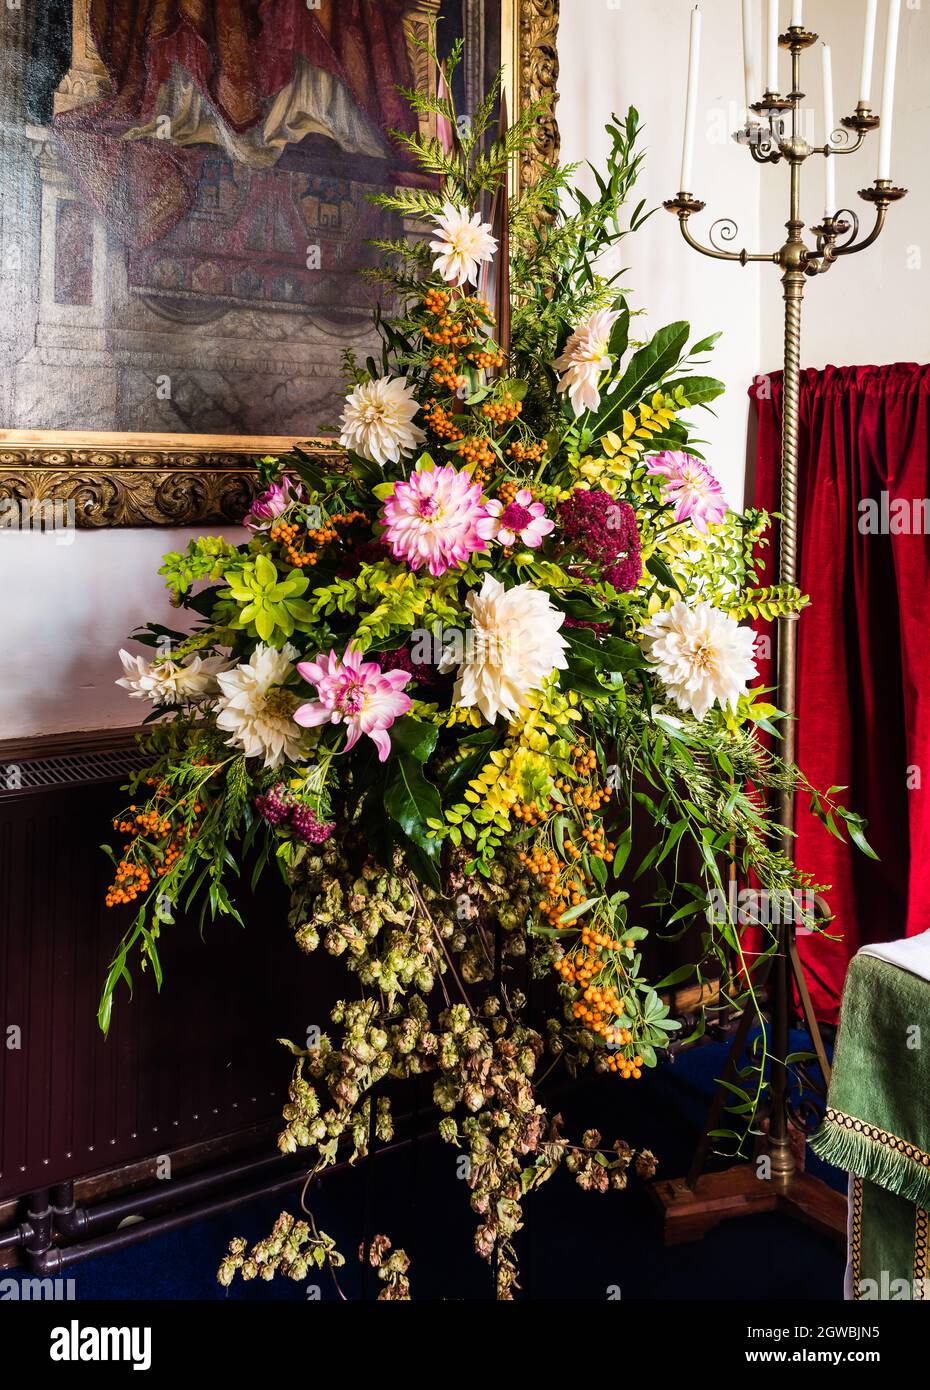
840, 142
882, 193
684, 205
851, 248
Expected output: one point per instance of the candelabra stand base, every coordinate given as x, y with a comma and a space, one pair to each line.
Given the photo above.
693, 1205
690, 1212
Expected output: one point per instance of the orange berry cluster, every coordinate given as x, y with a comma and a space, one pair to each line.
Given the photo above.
503, 411
131, 878
525, 453
442, 422
436, 302
598, 844
150, 823
586, 794
130, 881
627, 1066
288, 532
599, 1005
487, 359
446, 372
528, 812
546, 868
329, 531
447, 333
165, 857
478, 455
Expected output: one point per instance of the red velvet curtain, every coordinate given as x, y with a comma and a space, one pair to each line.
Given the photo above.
864, 643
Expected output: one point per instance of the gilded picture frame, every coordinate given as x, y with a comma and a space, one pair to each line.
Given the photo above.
101, 479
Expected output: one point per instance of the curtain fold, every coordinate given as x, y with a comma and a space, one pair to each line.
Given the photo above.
864, 643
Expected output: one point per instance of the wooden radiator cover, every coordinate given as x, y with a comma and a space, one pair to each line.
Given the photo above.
196, 1063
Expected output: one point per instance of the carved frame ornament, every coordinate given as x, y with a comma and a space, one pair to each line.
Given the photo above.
93, 480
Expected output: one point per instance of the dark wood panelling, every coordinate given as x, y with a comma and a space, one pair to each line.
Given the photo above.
184, 1067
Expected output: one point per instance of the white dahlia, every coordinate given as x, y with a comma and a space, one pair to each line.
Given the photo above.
702, 656
514, 644
464, 243
584, 357
164, 681
256, 710
377, 421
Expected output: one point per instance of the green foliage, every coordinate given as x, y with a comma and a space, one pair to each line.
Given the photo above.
266, 604
204, 559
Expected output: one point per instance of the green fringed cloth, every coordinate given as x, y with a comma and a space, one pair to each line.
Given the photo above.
877, 1124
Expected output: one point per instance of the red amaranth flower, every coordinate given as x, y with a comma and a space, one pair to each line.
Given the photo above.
401, 659
599, 629
274, 807
278, 807
365, 552
308, 828
604, 532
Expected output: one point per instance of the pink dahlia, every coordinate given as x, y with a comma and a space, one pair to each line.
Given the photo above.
433, 519
523, 520
269, 505
356, 693
692, 488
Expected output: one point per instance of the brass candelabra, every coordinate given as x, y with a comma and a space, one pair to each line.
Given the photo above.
772, 134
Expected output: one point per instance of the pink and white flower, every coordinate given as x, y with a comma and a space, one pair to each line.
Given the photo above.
356, 693
464, 243
522, 519
691, 487
271, 504
583, 359
433, 519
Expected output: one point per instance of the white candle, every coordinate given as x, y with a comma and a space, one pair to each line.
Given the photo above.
749, 58
771, 74
828, 116
887, 111
797, 14
868, 51
694, 63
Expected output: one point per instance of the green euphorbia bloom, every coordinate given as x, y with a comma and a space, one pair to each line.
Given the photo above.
266, 602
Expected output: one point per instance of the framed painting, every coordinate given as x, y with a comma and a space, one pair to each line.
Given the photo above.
183, 213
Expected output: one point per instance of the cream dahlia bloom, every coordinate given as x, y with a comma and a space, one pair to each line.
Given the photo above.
165, 682
702, 656
513, 645
464, 243
377, 420
584, 357
257, 711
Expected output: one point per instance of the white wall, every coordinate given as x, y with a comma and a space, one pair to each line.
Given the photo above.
69, 601
871, 308
635, 52
67, 608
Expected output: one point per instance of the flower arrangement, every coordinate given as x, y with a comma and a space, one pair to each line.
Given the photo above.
465, 688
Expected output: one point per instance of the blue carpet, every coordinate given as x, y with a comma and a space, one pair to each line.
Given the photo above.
575, 1246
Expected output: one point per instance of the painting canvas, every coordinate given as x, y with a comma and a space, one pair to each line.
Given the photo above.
184, 203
